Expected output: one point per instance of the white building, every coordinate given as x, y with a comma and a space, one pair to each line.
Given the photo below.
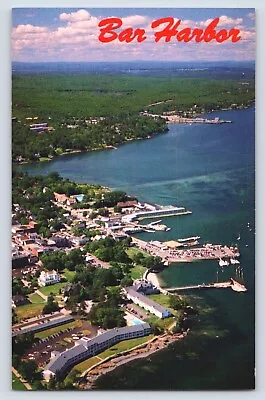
146, 303
86, 348
48, 278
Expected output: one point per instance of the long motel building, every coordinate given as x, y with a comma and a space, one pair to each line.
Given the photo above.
85, 348
146, 303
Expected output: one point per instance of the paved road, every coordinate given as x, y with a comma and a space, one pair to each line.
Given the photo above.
41, 295
26, 384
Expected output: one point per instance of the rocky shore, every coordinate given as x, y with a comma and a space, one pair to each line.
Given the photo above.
142, 351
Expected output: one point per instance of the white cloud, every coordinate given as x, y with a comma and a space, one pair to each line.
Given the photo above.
251, 15
28, 29
135, 20
80, 15
76, 38
224, 21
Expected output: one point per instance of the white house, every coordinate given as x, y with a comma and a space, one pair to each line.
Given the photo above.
48, 278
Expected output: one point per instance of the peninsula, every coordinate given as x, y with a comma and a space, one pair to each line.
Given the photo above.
84, 295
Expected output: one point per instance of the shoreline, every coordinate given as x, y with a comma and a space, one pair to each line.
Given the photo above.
107, 147
144, 350
153, 278
110, 147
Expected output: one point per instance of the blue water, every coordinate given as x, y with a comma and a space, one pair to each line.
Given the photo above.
210, 170
136, 321
79, 197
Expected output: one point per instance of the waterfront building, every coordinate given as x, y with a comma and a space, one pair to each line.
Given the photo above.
127, 204
85, 348
145, 287
146, 303
165, 211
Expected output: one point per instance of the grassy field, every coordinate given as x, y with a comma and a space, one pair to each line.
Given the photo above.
83, 366
163, 323
29, 310
56, 329
118, 348
124, 345
134, 250
137, 272
69, 275
36, 299
41, 159
47, 290
164, 301
16, 384
160, 299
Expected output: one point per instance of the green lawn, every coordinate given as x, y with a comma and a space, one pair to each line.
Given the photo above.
137, 272
17, 384
47, 290
35, 298
69, 275
56, 329
163, 323
41, 159
83, 366
124, 345
134, 250
162, 299
29, 310
118, 348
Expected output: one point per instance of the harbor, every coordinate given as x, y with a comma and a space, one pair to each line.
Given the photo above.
177, 119
168, 255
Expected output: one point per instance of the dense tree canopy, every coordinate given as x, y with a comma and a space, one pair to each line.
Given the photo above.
91, 112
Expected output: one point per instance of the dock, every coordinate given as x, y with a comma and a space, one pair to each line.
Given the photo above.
169, 255
233, 284
177, 119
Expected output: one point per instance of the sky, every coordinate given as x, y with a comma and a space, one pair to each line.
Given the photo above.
71, 35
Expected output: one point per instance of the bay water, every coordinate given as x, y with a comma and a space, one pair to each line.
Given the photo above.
210, 169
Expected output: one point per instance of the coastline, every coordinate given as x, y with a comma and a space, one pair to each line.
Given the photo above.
78, 151
144, 350
110, 147
153, 278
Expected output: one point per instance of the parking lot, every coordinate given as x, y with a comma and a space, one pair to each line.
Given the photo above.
41, 351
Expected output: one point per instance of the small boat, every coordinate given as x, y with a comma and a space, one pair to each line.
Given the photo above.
238, 237
223, 263
233, 261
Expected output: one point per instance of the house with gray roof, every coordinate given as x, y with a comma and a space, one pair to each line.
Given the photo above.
85, 348
146, 303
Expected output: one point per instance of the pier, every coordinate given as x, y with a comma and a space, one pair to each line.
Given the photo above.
177, 119
233, 284
168, 255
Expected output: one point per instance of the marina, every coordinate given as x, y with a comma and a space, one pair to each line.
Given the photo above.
223, 219
178, 119
207, 252
189, 239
